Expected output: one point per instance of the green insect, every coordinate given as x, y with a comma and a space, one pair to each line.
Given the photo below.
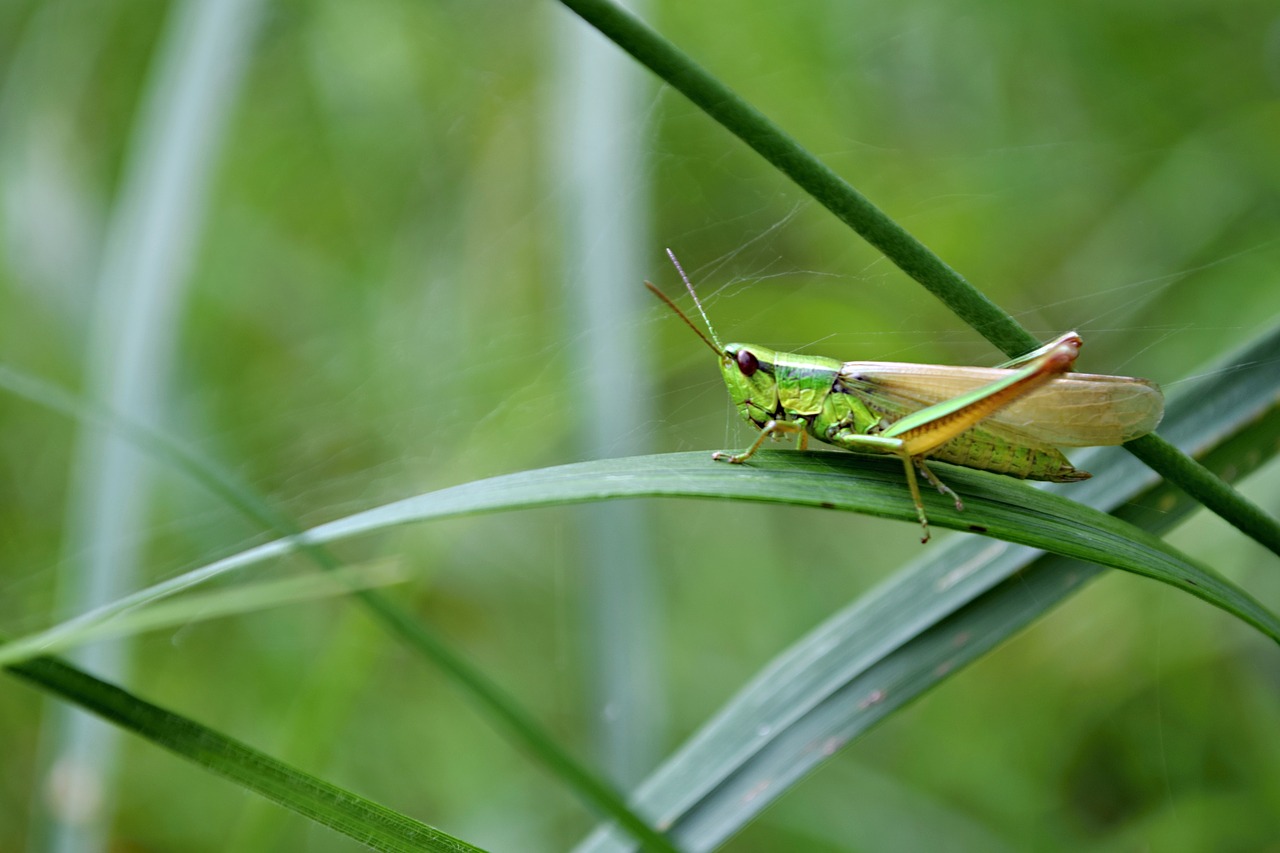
1009, 419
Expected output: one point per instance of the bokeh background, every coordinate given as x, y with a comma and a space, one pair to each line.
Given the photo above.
398, 245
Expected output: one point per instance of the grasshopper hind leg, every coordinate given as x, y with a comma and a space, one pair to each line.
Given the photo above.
910, 464
938, 484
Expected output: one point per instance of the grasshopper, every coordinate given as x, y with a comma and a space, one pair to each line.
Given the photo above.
1009, 419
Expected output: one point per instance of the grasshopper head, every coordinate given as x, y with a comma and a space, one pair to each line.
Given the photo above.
748, 372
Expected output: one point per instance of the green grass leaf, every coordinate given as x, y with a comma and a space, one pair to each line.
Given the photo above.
996, 506
354, 816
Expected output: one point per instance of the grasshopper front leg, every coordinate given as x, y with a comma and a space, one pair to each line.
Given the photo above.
772, 429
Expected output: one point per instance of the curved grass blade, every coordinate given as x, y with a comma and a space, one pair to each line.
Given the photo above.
997, 506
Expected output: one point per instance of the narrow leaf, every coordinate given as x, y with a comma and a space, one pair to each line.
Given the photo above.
363, 820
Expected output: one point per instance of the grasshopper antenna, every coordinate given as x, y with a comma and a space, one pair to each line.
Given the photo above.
676, 308
696, 301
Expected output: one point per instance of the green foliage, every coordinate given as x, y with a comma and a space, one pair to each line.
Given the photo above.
376, 310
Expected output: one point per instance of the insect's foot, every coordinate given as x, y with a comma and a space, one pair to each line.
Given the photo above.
721, 456
924, 523
959, 503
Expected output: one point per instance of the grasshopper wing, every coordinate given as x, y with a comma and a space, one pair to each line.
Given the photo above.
1072, 410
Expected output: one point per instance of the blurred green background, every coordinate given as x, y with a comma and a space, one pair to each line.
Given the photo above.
381, 292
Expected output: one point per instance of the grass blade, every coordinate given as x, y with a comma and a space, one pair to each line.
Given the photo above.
363, 820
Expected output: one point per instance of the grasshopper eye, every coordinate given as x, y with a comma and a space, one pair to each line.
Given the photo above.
747, 363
